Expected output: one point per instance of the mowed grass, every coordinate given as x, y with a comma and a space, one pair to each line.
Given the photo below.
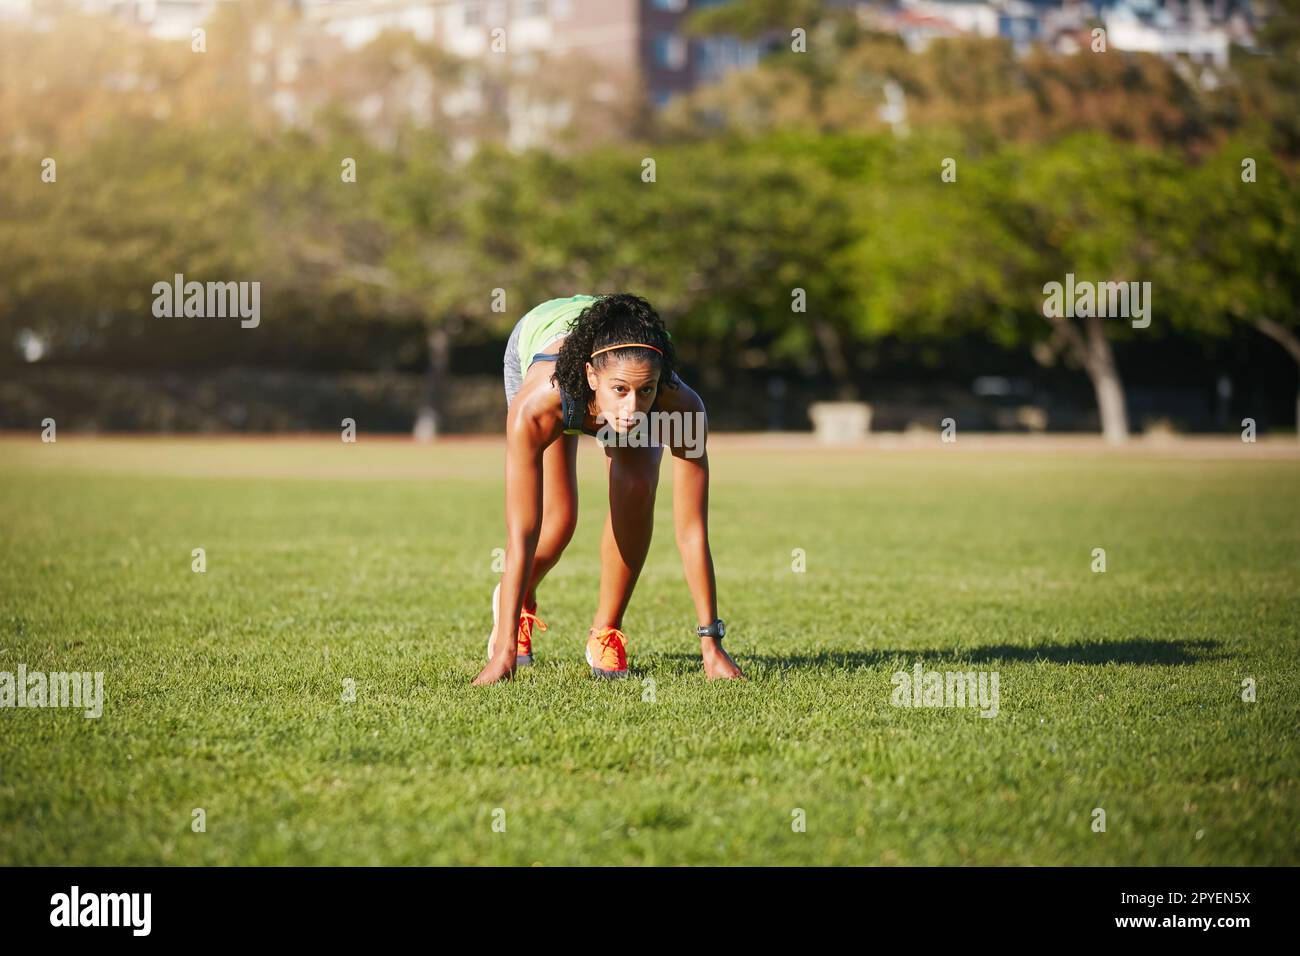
373, 562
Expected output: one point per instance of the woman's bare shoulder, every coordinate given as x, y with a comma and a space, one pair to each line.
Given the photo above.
536, 409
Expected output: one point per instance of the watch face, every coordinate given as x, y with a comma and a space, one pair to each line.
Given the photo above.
722, 629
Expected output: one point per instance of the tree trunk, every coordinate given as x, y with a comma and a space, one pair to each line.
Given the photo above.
1106, 383
429, 418
1289, 341
833, 353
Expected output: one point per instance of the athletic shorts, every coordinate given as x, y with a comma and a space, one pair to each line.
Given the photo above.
513, 375
539, 328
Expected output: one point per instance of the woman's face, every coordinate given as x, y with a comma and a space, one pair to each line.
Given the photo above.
623, 387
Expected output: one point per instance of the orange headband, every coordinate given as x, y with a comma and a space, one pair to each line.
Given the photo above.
627, 345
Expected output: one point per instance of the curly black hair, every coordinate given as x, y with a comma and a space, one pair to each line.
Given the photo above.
612, 320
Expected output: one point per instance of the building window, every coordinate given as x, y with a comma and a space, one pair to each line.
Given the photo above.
672, 6
669, 51
715, 57
473, 14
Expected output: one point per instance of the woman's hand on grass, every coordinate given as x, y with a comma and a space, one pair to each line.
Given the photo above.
497, 669
718, 664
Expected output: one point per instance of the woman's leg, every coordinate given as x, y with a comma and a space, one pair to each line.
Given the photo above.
559, 509
633, 480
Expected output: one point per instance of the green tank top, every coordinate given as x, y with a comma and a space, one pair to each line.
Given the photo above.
547, 322
541, 326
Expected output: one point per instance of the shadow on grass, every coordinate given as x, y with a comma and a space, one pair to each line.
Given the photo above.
1135, 651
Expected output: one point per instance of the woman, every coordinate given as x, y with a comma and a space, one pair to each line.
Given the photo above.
574, 366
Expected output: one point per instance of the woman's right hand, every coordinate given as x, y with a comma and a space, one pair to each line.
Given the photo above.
526, 439
497, 669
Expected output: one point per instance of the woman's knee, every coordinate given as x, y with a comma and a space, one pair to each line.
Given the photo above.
636, 486
566, 525
557, 531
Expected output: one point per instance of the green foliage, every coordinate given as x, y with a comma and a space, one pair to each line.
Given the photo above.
803, 188
753, 18
1241, 245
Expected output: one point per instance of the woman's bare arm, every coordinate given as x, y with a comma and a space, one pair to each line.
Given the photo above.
691, 515
527, 436
691, 497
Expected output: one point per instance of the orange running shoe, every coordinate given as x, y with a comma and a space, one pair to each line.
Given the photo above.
528, 619
607, 652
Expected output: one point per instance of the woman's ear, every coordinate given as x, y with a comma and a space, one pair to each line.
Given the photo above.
592, 379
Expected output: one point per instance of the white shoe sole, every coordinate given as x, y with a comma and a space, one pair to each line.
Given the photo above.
495, 594
519, 661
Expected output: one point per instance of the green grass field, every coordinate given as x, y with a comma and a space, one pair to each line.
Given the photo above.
373, 562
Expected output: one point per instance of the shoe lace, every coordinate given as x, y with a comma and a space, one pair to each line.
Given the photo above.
527, 619
610, 637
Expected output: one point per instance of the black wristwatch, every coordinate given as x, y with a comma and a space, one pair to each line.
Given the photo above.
717, 629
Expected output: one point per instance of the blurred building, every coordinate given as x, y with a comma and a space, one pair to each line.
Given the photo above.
526, 68
643, 37
1023, 22
552, 72
1197, 30
164, 19
17, 10
1170, 30
638, 39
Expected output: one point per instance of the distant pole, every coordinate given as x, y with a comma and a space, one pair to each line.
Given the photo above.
428, 420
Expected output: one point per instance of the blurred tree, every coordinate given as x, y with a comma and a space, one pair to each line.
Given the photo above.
790, 194
1240, 247
937, 257
383, 237
1269, 88
60, 87
721, 242
137, 205
1101, 211
976, 85
753, 18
